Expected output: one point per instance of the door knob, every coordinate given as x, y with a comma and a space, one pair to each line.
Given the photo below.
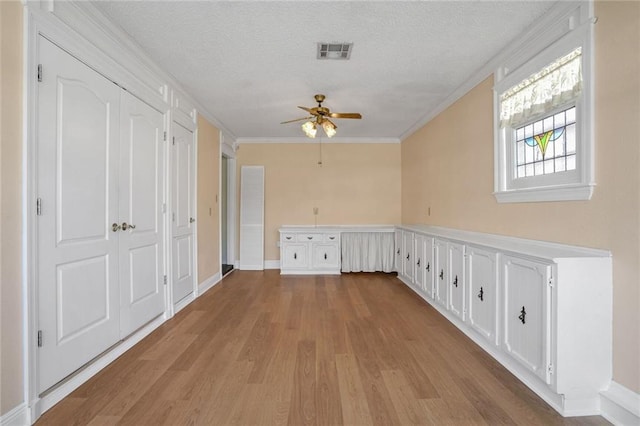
191, 220
115, 227
124, 226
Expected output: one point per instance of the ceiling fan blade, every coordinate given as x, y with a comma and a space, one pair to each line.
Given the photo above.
309, 110
297, 119
345, 115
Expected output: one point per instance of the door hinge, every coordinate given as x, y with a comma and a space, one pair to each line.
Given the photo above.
39, 206
165, 136
39, 72
165, 280
550, 368
39, 338
550, 281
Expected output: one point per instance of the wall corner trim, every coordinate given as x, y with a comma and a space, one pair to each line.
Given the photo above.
620, 405
18, 416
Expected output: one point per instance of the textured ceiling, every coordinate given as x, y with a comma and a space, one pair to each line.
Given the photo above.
251, 63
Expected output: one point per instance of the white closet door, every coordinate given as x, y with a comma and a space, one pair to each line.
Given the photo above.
141, 197
252, 218
183, 213
77, 155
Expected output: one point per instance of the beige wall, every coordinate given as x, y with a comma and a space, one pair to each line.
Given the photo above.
11, 391
448, 166
356, 184
208, 208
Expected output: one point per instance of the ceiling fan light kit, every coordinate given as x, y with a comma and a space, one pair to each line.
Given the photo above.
320, 116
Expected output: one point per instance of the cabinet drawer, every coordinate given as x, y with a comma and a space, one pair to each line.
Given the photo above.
288, 237
330, 238
303, 238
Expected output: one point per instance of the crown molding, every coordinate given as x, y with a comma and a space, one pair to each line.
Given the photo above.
559, 11
304, 140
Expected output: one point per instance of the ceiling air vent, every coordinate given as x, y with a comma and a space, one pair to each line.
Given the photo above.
334, 50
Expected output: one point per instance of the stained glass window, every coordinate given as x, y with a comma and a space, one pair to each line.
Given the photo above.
546, 146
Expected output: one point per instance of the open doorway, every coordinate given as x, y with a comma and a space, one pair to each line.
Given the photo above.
227, 224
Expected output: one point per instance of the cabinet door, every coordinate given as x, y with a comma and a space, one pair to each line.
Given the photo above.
407, 253
482, 288
456, 279
526, 313
419, 261
442, 274
398, 250
428, 267
294, 256
325, 256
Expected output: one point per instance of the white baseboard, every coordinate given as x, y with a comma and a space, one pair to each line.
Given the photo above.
620, 405
56, 395
208, 283
271, 264
19, 416
184, 302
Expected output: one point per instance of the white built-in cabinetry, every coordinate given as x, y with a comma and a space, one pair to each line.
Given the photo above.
541, 309
309, 251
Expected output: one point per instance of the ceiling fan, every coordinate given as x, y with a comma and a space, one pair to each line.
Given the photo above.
321, 115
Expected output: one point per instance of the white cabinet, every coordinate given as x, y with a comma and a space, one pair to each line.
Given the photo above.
325, 255
295, 256
543, 310
309, 252
482, 294
398, 251
440, 260
419, 257
525, 286
456, 285
427, 265
408, 269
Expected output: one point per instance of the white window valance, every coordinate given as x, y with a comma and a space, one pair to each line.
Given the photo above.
542, 92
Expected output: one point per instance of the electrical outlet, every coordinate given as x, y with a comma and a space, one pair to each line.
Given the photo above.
315, 211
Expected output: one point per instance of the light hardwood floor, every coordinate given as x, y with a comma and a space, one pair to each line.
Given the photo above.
260, 348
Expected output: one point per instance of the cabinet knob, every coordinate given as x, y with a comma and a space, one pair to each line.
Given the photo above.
428, 266
191, 220
398, 252
418, 263
523, 315
325, 256
442, 274
407, 256
115, 227
332, 238
288, 238
455, 281
295, 255
309, 238
481, 294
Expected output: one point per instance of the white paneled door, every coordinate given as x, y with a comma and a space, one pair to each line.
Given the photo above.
100, 221
77, 180
141, 198
183, 217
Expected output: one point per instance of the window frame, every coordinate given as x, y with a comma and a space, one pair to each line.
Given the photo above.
572, 30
